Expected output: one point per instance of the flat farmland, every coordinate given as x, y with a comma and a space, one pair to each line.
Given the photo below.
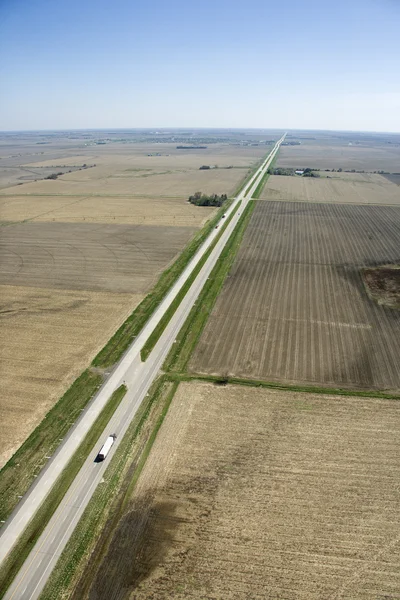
341, 155
120, 170
251, 493
114, 258
127, 210
65, 289
354, 189
140, 181
47, 337
294, 308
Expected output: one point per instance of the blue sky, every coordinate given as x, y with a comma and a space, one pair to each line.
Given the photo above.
220, 63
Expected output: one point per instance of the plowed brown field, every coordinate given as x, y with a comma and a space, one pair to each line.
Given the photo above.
257, 494
294, 307
358, 189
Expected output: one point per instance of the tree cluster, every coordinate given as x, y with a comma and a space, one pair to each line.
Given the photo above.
200, 199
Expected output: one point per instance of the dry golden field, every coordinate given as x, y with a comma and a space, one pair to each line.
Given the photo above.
354, 189
130, 182
88, 256
122, 170
102, 209
47, 337
260, 494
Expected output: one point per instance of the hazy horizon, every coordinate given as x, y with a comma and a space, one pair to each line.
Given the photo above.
220, 65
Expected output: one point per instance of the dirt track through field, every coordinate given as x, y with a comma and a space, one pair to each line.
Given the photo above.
294, 307
257, 494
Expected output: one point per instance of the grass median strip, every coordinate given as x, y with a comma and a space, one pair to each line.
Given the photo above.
32, 532
90, 541
20, 471
125, 335
249, 175
159, 329
260, 186
188, 336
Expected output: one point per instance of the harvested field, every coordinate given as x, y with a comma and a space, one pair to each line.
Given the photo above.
115, 258
394, 178
260, 494
47, 337
294, 307
357, 189
383, 283
102, 209
340, 156
134, 182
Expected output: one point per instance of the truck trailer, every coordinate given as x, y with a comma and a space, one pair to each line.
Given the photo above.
105, 449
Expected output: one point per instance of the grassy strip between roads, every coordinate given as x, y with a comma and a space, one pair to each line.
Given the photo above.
225, 380
20, 471
264, 179
94, 532
188, 336
260, 186
35, 527
159, 329
125, 335
244, 181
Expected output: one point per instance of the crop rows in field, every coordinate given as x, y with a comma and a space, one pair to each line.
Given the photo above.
258, 494
294, 307
358, 189
370, 157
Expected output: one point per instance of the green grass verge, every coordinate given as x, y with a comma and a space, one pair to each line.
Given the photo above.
264, 179
188, 336
249, 175
94, 531
225, 380
260, 186
20, 471
25, 543
125, 335
160, 328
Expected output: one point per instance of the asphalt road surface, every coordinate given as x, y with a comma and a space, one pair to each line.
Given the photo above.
138, 377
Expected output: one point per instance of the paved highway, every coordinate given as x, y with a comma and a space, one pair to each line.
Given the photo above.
138, 377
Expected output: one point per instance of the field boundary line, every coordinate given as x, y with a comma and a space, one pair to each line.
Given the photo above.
182, 376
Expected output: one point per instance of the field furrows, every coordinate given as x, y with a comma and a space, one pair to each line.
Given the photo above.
340, 156
259, 494
116, 258
294, 307
358, 189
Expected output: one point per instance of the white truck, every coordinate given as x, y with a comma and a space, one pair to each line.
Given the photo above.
106, 447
